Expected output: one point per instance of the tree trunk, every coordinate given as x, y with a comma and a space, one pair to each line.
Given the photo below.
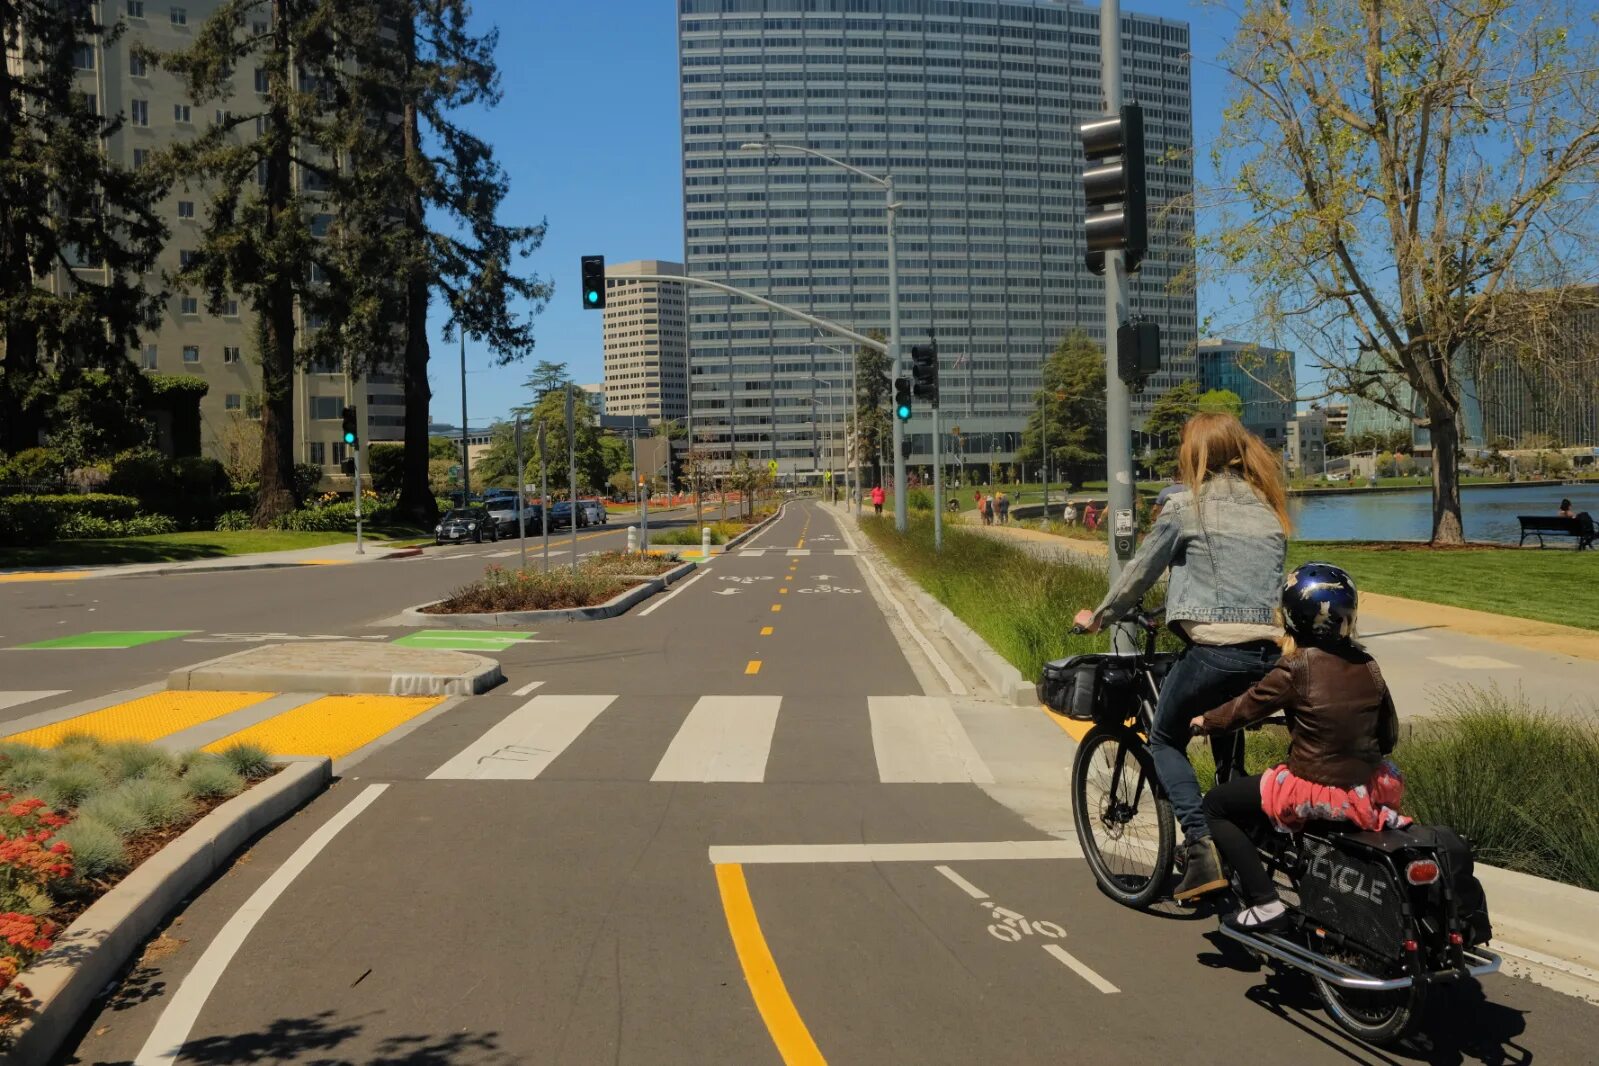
416, 495
1445, 432
276, 308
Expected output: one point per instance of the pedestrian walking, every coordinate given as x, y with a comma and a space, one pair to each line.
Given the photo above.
1090, 517
1068, 514
1002, 502
878, 496
985, 507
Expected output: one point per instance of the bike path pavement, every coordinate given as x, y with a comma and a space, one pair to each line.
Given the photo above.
577, 916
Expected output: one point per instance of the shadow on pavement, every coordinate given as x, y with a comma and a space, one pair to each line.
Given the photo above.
316, 1040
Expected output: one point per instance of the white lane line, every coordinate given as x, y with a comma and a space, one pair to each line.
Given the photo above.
529, 687
799, 551
524, 743
172, 1029
724, 738
918, 739
945, 673
1080, 969
753, 553
661, 602
961, 883
503, 555
954, 851
1472, 662
12, 699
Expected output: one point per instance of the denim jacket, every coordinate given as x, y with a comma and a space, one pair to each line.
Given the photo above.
1226, 556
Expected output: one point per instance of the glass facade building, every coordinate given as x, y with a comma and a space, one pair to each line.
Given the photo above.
973, 106
1261, 377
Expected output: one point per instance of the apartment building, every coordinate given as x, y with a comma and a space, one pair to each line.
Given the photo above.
646, 343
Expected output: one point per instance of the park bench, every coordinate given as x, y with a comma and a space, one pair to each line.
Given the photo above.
1581, 527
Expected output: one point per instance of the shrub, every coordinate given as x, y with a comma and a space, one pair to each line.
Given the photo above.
210, 777
83, 527
189, 489
531, 590
160, 801
129, 759
33, 467
625, 564
32, 862
116, 810
234, 521
306, 477
919, 500
249, 761
97, 850
69, 783
39, 519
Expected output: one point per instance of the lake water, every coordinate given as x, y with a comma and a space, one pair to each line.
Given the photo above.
1489, 513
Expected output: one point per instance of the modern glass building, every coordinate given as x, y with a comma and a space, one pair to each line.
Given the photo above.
973, 106
1263, 378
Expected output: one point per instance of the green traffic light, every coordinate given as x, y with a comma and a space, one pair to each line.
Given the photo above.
594, 296
349, 438
904, 413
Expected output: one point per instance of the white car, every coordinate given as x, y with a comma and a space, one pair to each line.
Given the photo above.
596, 513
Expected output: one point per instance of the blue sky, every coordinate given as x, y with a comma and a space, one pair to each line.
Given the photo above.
606, 177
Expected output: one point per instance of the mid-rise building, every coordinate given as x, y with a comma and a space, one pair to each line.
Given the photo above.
1306, 447
596, 398
646, 342
218, 348
973, 109
1263, 378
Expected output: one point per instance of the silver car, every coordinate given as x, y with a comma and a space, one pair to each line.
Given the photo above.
595, 512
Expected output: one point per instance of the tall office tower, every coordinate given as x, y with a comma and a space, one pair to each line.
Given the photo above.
190, 340
646, 344
974, 108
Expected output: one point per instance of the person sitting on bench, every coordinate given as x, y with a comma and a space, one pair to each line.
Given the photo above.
1565, 510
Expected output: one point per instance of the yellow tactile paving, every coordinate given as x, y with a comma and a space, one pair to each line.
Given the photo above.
333, 725
40, 575
146, 718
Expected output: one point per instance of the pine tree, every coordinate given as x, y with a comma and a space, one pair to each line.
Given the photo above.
1072, 398
436, 193
78, 232
263, 237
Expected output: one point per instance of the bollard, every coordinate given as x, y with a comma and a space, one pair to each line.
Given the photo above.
705, 542
632, 540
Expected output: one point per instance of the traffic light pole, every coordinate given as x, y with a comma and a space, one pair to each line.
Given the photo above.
1118, 403
360, 546
938, 485
894, 361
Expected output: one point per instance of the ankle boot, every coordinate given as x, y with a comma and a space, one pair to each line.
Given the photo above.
1202, 872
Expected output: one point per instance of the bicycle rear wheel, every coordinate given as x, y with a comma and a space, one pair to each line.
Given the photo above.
1124, 821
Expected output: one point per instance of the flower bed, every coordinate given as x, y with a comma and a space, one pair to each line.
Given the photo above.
597, 579
75, 818
629, 564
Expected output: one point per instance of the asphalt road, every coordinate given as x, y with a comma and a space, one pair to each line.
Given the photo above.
744, 827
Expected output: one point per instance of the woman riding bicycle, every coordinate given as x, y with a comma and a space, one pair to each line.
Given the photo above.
1224, 540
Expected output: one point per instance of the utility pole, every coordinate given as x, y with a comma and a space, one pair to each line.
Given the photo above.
521, 479
901, 520
544, 492
466, 458
571, 465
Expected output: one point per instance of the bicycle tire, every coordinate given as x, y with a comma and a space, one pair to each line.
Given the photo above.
1101, 818
1377, 1018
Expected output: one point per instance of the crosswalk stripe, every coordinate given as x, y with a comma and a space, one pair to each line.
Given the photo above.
919, 739
12, 699
724, 738
525, 741
504, 554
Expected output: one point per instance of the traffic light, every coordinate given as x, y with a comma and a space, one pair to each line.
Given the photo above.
905, 447
1113, 188
1137, 351
594, 282
350, 438
924, 370
902, 399
347, 468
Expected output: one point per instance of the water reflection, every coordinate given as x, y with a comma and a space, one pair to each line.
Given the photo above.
1489, 513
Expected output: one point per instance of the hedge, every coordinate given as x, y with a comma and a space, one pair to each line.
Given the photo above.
84, 527
39, 519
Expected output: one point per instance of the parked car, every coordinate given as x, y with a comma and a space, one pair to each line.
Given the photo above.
561, 516
594, 513
533, 519
462, 524
502, 513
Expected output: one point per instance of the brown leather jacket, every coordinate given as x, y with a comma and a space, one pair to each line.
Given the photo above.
1340, 716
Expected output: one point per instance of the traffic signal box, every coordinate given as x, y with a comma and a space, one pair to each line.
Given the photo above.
902, 399
350, 438
1113, 188
594, 282
924, 372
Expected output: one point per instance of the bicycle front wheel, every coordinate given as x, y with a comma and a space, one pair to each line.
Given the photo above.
1124, 821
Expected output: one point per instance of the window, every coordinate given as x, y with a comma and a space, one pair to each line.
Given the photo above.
341, 452
223, 117
233, 402
141, 156
185, 208
230, 307
136, 66
191, 353
260, 80
230, 354
319, 453
180, 16
140, 112
180, 113
91, 103
148, 357
189, 305
186, 258
136, 9
83, 57
327, 407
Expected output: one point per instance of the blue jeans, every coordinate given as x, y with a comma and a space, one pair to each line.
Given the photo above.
1205, 676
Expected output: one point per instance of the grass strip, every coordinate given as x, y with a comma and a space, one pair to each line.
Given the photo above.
178, 547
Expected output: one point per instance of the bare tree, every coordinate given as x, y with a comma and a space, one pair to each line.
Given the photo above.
1411, 185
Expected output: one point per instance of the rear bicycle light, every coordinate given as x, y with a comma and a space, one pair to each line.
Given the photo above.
1422, 872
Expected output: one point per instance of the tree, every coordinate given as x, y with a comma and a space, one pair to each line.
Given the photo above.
618, 457
434, 203
262, 237
385, 465
79, 234
1221, 401
872, 426
1072, 400
1417, 176
444, 448
239, 442
497, 466
1164, 424
547, 377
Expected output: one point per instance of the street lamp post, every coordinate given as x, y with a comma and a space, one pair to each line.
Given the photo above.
852, 449
891, 206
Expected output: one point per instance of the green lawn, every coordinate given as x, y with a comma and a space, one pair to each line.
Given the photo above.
177, 547
1551, 586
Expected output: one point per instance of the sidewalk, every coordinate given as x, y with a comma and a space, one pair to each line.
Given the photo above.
324, 555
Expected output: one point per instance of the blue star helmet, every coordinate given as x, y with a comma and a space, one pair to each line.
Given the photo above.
1319, 605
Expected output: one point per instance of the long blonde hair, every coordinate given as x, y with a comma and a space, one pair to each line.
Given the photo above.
1214, 443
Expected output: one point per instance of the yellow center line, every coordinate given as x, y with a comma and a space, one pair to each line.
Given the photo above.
754, 667
776, 607
793, 1040
766, 631
782, 592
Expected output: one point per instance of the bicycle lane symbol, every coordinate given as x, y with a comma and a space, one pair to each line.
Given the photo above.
1011, 927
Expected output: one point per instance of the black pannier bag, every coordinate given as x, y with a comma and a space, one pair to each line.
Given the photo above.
1092, 688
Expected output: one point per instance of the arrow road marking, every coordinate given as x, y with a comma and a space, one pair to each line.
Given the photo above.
726, 592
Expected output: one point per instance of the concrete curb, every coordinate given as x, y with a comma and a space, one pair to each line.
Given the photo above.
405, 553
618, 604
1552, 922
226, 674
753, 530
64, 981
